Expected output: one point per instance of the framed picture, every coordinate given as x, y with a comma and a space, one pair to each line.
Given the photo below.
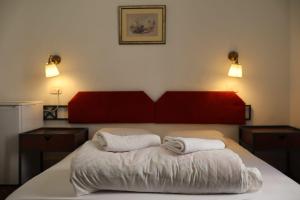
55, 112
142, 24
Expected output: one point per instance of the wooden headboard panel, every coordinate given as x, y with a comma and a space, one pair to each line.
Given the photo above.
111, 107
186, 107
198, 107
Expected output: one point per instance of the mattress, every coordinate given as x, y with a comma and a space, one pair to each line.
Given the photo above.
53, 184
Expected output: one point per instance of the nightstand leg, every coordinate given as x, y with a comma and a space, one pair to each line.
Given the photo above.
41, 161
288, 168
20, 167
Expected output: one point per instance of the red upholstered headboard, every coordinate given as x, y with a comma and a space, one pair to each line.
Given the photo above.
111, 107
173, 107
200, 108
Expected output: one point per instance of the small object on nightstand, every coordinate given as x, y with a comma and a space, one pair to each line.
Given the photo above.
44, 141
55, 112
277, 145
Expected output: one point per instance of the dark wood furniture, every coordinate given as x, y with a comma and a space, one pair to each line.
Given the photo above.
6, 190
45, 141
277, 145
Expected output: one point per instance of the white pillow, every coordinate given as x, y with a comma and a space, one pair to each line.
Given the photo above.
125, 131
205, 134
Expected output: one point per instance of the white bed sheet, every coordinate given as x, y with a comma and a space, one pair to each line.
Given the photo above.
53, 184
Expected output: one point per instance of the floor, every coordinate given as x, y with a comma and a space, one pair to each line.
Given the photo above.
5, 190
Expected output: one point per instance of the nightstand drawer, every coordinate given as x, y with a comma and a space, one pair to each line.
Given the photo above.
47, 142
270, 141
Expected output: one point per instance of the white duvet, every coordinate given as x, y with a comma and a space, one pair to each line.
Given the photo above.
156, 169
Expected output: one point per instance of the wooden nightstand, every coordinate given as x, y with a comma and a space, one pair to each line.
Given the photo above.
277, 145
47, 140
6, 190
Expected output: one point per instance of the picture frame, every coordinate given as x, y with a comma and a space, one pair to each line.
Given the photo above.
55, 112
144, 24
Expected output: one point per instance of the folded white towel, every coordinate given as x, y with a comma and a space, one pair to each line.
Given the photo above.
117, 143
182, 145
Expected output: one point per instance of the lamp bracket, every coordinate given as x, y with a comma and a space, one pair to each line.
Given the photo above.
56, 59
233, 56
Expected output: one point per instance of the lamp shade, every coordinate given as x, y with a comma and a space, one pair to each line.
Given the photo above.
236, 70
51, 70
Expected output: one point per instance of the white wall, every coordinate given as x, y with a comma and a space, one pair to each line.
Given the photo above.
200, 33
295, 62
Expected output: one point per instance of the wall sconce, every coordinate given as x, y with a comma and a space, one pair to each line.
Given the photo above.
236, 69
51, 71
51, 68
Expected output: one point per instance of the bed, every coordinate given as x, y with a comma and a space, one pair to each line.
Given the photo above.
172, 108
53, 184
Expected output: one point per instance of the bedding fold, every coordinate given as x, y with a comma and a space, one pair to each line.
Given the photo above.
156, 169
183, 145
117, 143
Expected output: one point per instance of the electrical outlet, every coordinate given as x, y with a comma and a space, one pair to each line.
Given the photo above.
55, 91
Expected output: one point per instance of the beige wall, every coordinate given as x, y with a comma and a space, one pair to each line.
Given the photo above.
200, 33
295, 62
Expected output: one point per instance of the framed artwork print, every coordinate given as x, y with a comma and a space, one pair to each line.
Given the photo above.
142, 24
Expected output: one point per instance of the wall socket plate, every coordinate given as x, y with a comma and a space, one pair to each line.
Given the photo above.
55, 91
